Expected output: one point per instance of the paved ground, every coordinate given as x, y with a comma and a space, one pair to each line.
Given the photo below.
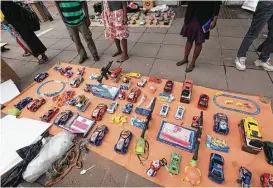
157, 50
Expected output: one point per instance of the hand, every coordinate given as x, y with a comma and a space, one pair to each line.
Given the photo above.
212, 24
125, 20
88, 22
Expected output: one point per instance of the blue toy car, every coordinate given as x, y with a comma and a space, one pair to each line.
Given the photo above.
142, 111
123, 142
98, 135
73, 101
128, 108
216, 171
140, 123
245, 177
221, 123
20, 105
63, 117
40, 77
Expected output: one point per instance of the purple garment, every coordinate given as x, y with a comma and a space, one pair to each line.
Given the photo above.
193, 31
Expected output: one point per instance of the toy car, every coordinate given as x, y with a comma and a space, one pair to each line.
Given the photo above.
73, 101
166, 97
133, 95
152, 88
197, 121
164, 110
94, 76
139, 123
155, 80
266, 180
126, 83
251, 128
142, 83
112, 108
98, 135
134, 75
99, 111
142, 22
268, 152
180, 112
128, 108
34, 105
116, 73
82, 103
122, 95
220, 123
81, 71
186, 91
76, 81
63, 117
49, 114
68, 74
21, 104
14, 111
216, 171
168, 86
175, 163
123, 142
40, 77
203, 101
245, 177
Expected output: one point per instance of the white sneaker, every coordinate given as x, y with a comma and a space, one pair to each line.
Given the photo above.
265, 65
240, 63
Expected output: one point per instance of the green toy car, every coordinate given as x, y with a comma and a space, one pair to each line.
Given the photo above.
14, 111
175, 163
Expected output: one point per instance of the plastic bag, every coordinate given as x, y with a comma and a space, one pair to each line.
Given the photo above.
51, 152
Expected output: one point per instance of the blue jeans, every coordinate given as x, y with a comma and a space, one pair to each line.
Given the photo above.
262, 15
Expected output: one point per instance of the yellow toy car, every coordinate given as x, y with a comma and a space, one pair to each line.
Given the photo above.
251, 128
134, 75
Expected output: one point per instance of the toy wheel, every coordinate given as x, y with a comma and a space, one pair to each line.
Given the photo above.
43, 102
239, 181
34, 109
262, 178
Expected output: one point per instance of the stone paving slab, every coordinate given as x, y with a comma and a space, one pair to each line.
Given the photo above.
137, 29
176, 39
49, 41
113, 49
153, 38
176, 29
145, 50
156, 30
102, 45
61, 44
141, 65
271, 76
134, 37
210, 56
171, 52
229, 22
231, 43
104, 60
232, 31
64, 56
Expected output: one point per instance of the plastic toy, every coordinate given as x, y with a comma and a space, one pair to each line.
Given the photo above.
164, 110
221, 123
112, 108
203, 101
14, 111
51, 94
94, 76
103, 91
143, 98
134, 75
40, 77
121, 95
128, 108
268, 152
118, 119
21, 104
49, 114
251, 128
137, 122
83, 103
73, 101
197, 121
63, 98
229, 102
217, 144
168, 86
216, 168
105, 72
266, 180
180, 112
165, 97
133, 95
142, 111
149, 106
81, 71
152, 88
142, 83
79, 125
174, 167
63, 117
98, 135
123, 142
244, 177
126, 83
116, 74
238, 104
186, 91
155, 80
67, 71
169, 14
99, 111
34, 105
142, 22
76, 81
166, 21
155, 166
264, 99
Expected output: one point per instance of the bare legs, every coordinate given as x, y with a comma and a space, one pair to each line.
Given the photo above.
186, 53
124, 50
119, 51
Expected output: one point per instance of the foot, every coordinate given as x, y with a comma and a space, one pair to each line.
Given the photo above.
265, 65
240, 63
26, 54
190, 68
182, 62
82, 59
122, 59
96, 58
117, 53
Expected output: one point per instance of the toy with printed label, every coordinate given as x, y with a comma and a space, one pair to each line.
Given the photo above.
142, 82
105, 72
99, 111
94, 76
134, 75
126, 83
127, 108
34, 105
179, 112
197, 121
133, 95
83, 103
76, 81
217, 144
122, 95
203, 101
221, 123
186, 91
216, 168
98, 135
152, 88
63, 117
174, 166
155, 166
165, 97
266, 180
118, 119
40, 77
155, 80
112, 108
23, 103
168, 86
164, 110
49, 114
137, 122
268, 152
123, 142
244, 177
142, 111
103, 91
74, 100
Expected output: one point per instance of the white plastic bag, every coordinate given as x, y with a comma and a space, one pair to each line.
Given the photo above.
51, 152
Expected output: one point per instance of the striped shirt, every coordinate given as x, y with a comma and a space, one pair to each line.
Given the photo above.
72, 12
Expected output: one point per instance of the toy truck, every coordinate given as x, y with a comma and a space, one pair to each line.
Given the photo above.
186, 91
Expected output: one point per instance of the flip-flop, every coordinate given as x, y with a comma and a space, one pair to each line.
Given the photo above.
116, 54
121, 61
26, 54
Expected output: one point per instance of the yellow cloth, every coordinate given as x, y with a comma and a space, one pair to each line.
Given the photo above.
2, 17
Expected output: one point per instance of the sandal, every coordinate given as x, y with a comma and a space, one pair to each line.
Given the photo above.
116, 54
121, 60
190, 68
26, 54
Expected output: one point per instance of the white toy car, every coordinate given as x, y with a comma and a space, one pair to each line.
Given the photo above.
112, 108
164, 110
142, 83
180, 112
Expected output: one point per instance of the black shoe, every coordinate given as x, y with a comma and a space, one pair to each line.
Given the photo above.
82, 60
96, 58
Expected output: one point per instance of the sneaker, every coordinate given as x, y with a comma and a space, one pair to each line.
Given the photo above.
265, 65
240, 63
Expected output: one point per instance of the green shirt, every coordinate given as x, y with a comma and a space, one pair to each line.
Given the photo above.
72, 12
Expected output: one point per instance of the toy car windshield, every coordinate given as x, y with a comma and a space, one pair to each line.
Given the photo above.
223, 125
186, 92
216, 173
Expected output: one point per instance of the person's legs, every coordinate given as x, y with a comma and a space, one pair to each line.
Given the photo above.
187, 52
196, 53
87, 35
119, 51
125, 51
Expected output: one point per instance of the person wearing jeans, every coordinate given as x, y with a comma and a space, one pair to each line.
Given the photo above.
262, 15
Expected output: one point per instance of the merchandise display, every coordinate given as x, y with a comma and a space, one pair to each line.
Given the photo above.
127, 108
49, 114
94, 76
63, 98
126, 83
137, 122
99, 111
268, 152
34, 105
51, 94
266, 180
142, 82
14, 111
180, 112
164, 110
216, 168
103, 91
155, 80
82, 103
112, 108
155, 166
220, 123
105, 72
168, 86
165, 97
244, 177
123, 142
80, 125
118, 119
116, 74
203, 101
217, 144
67, 71
63, 117
40, 77
134, 75
143, 98
174, 166
122, 95
98, 135
76, 81
186, 91
133, 95
197, 121
152, 88
142, 111
23, 103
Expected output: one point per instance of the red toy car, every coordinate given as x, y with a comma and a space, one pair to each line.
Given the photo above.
266, 180
34, 105
186, 91
50, 114
99, 111
203, 101
115, 73
133, 95
155, 80
168, 86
